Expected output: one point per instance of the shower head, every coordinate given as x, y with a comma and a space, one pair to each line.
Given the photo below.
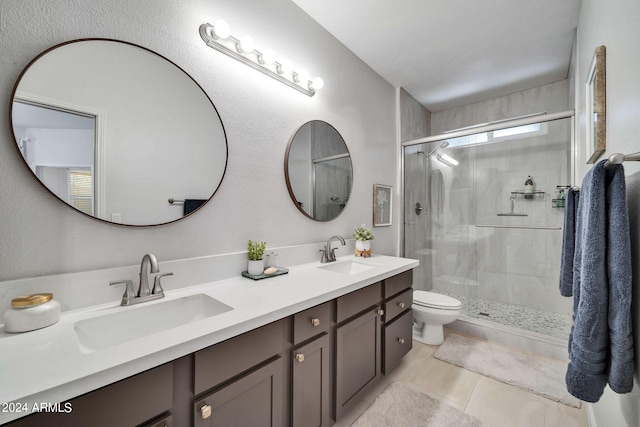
443, 144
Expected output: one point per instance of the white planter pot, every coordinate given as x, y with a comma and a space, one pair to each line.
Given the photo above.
363, 245
255, 268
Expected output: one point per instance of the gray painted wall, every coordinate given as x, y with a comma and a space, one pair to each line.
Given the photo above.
42, 236
615, 25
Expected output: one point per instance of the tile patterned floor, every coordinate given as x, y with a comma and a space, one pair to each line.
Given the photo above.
494, 403
550, 324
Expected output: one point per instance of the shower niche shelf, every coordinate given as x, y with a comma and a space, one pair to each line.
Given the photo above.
520, 194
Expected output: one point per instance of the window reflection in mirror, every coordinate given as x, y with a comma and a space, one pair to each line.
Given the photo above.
318, 171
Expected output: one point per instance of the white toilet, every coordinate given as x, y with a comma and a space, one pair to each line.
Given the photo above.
431, 311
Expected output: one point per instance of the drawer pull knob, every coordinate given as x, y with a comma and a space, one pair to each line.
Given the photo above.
315, 322
300, 357
205, 411
380, 312
401, 340
401, 305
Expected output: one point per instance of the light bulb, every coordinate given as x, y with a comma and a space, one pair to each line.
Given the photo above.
286, 66
246, 44
317, 83
221, 29
268, 56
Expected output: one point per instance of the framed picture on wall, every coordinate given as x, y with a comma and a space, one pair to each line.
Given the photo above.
382, 205
596, 131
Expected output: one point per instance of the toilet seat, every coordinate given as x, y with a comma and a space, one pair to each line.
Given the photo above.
435, 300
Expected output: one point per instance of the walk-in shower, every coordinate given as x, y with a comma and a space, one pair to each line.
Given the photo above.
479, 234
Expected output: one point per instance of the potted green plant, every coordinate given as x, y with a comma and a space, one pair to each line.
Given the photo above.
255, 253
363, 236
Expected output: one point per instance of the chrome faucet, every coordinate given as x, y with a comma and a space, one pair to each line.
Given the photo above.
328, 254
149, 260
148, 265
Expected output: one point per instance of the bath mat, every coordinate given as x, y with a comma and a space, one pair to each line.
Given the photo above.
538, 375
403, 405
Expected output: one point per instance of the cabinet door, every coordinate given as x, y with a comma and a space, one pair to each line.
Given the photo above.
358, 352
310, 393
253, 400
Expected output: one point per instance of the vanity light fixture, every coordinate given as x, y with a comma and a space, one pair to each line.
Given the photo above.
218, 36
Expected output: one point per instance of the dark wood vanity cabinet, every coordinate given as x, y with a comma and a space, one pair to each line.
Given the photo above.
131, 402
163, 421
373, 332
300, 371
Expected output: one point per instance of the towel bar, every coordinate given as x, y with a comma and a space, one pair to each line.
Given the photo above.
617, 158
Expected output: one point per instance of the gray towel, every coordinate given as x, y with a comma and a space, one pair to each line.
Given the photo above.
568, 242
601, 344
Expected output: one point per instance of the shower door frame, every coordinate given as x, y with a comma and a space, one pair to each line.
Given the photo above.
502, 124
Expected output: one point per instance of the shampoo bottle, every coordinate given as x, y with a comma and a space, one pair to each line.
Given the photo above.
528, 188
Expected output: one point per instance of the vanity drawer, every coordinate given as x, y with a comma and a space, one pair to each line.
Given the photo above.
225, 360
311, 322
398, 283
353, 303
398, 304
397, 341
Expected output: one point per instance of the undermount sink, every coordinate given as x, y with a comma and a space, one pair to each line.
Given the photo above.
140, 321
348, 267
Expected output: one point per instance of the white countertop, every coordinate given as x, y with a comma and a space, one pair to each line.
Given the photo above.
49, 365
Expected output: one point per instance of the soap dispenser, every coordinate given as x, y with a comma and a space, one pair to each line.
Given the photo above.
528, 188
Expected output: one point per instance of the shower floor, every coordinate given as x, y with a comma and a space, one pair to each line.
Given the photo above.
542, 322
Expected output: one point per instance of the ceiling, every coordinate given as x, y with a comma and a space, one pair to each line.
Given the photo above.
449, 53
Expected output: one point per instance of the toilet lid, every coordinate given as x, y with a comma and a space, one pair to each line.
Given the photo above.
435, 300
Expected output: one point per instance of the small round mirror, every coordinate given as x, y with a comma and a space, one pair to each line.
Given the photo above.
118, 132
318, 171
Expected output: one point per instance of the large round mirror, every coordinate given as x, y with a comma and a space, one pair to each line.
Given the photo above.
118, 132
318, 171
